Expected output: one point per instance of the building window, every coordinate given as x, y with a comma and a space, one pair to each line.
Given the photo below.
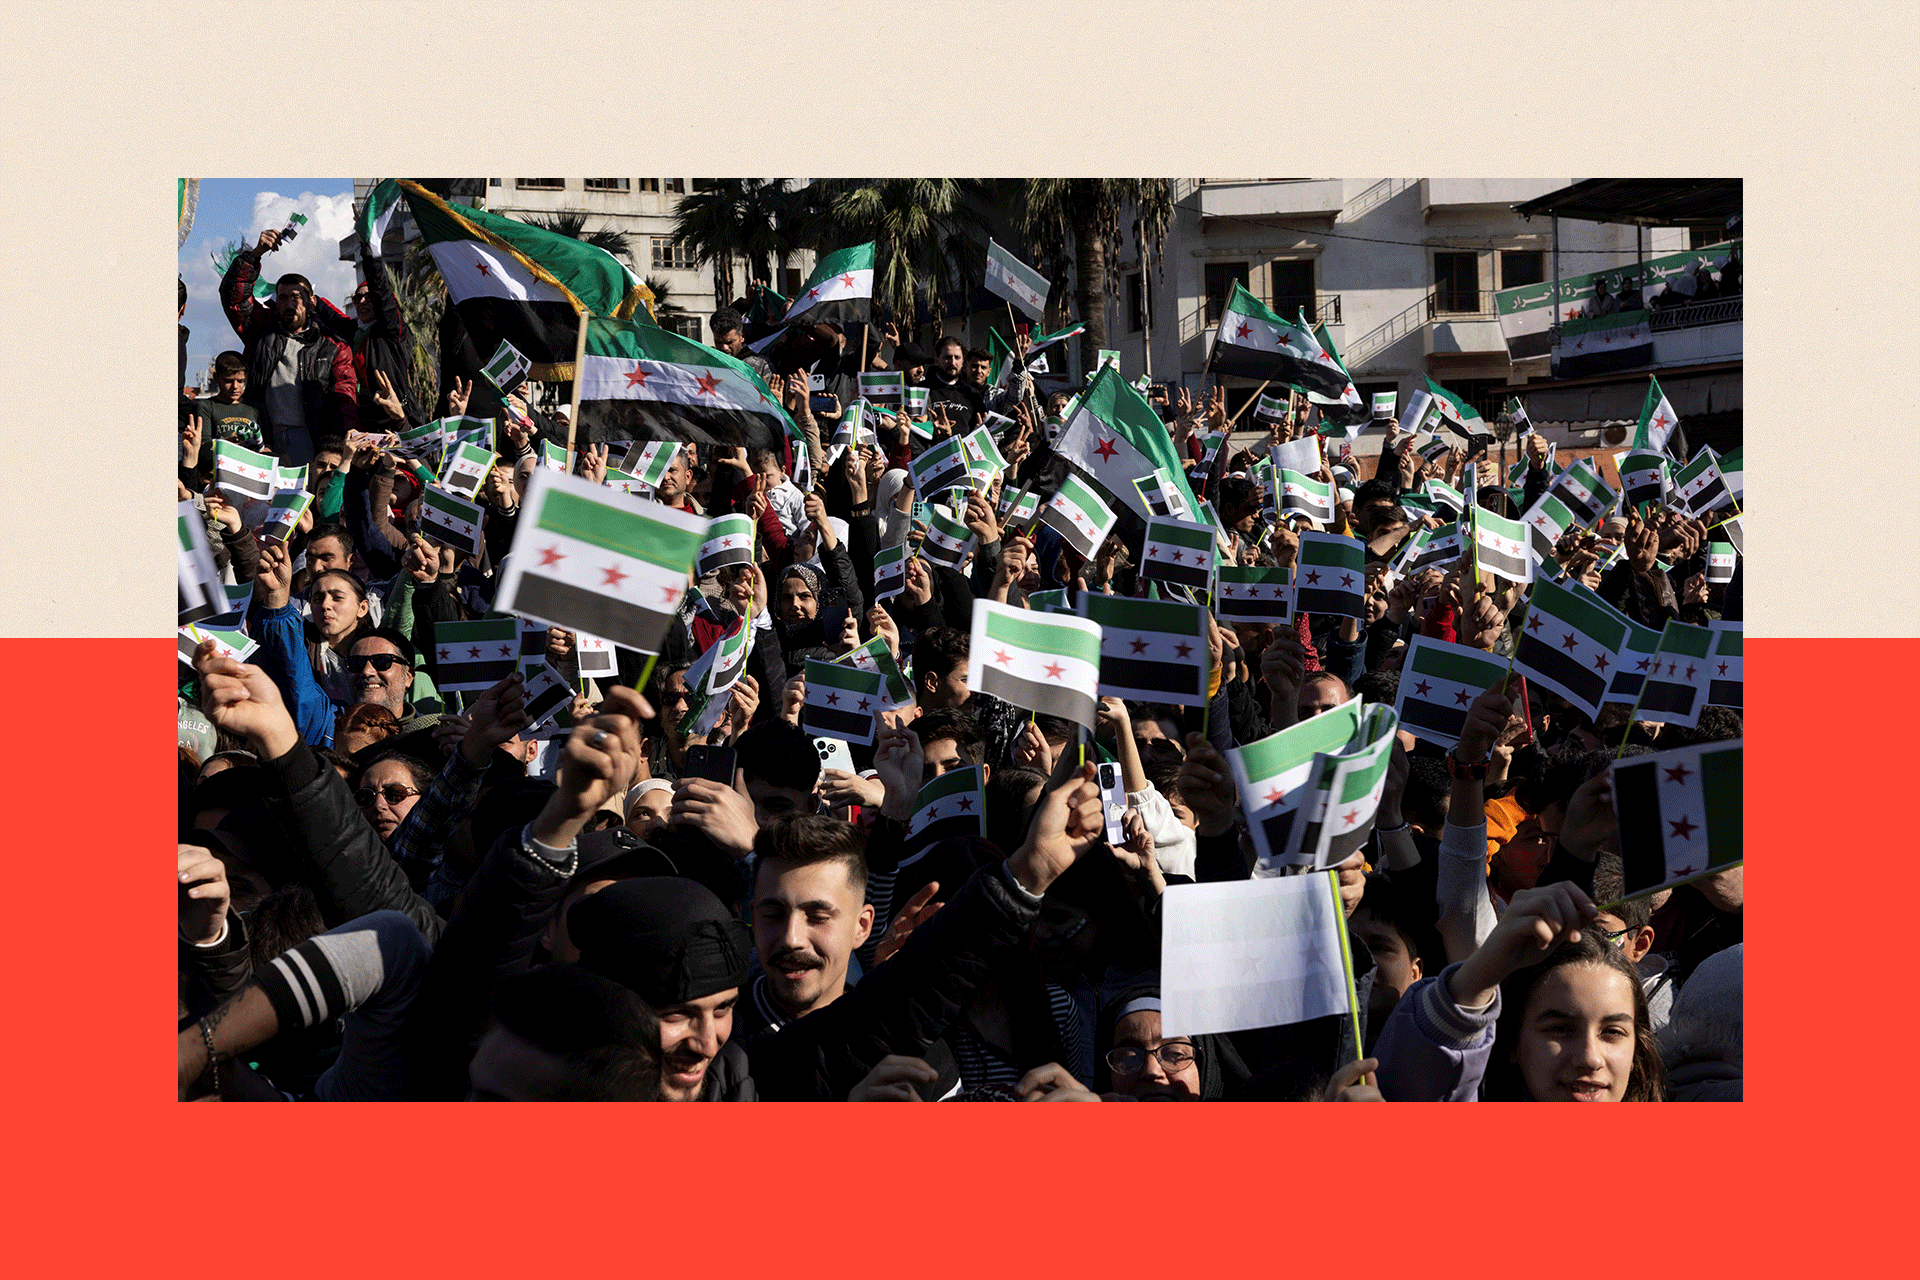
1701, 237
540, 184
1221, 277
1522, 266
1136, 303
607, 184
677, 186
649, 184
703, 184
493, 182
1292, 281
672, 255
790, 281
1456, 283
687, 326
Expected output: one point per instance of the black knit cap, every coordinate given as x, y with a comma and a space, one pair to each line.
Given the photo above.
666, 938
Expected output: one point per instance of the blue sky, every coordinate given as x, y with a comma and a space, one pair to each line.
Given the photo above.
230, 208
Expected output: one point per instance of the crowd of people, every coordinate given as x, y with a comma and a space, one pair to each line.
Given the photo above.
388, 891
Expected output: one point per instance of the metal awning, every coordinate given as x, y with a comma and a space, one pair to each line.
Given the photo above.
1646, 202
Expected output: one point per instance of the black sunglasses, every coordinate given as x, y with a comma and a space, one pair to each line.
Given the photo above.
378, 661
393, 793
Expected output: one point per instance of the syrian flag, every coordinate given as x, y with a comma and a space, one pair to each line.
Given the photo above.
1438, 684
1253, 594
547, 695
1050, 601
1254, 342
875, 656
653, 460
451, 520
1331, 576
1546, 521
1311, 498
712, 677
950, 807
284, 514
640, 382
1114, 437
1676, 684
587, 561
948, 540
914, 401
594, 656
1500, 546
1720, 561
246, 479
1517, 415
422, 441
1178, 551
533, 647
728, 540
883, 390
1657, 420
466, 470
507, 369
517, 283
1076, 513
1161, 495
1733, 471
376, 214
1270, 408
943, 467
1072, 329
1725, 686
1586, 496
1444, 494
472, 657
890, 571
1635, 658
1245, 954
1349, 409
1018, 509
237, 645
841, 701
201, 595
984, 459
1210, 445
1455, 411
1699, 485
1048, 664
1151, 650
1347, 788
840, 290
1017, 282
1679, 814
1734, 534
467, 430
1643, 474
1428, 549
1569, 646
1603, 344
1275, 778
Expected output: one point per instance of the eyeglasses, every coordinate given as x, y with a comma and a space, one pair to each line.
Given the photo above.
393, 793
378, 661
1131, 1058
1618, 937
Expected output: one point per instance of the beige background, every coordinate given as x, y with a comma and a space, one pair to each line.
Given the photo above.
105, 105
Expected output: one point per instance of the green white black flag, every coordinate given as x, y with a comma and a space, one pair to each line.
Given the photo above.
1679, 814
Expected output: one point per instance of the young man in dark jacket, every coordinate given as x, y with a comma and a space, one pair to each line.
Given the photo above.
377, 333
300, 378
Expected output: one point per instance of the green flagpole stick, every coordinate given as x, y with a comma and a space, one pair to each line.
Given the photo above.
640, 685
1346, 965
1628, 731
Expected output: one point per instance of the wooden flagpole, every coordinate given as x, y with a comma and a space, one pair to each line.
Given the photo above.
1251, 400
573, 413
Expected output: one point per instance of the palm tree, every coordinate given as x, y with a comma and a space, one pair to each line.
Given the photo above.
574, 226
737, 217
928, 233
422, 295
1051, 212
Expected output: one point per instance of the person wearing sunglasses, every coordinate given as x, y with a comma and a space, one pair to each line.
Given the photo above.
388, 790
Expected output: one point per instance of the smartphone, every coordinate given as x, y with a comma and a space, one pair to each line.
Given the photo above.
1113, 793
704, 761
834, 754
833, 620
823, 403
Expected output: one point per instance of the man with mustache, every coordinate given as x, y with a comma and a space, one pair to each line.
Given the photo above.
298, 377
809, 915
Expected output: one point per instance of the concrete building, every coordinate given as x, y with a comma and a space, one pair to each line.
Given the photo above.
1402, 271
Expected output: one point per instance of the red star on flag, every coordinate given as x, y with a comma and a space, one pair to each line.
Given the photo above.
812, 294
1535, 623
1679, 773
1314, 576
1671, 666
1346, 579
1183, 649
966, 804
1139, 645
1723, 668
1422, 688
1054, 670
1684, 828
833, 699
1683, 871
1243, 331
847, 281
1349, 816
506, 651
1176, 555
1106, 450
1690, 670
1227, 590
1275, 796
864, 704
473, 653
614, 576
552, 556
1002, 657
1569, 641
443, 655
1601, 662
637, 377
1642, 664
669, 594
1660, 419
1463, 698
482, 267
1153, 552
708, 384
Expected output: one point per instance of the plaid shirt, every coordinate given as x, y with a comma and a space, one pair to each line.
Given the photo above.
419, 840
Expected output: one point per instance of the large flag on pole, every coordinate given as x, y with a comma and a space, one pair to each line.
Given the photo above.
518, 283
587, 559
1254, 342
642, 382
1569, 645
1349, 409
1679, 814
376, 214
1017, 282
1049, 664
1152, 650
1113, 436
840, 290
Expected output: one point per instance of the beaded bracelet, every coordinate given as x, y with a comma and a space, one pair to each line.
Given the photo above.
213, 1063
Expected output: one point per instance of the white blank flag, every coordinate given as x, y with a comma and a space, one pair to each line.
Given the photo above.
1251, 953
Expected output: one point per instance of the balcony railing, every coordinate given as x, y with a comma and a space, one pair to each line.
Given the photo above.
1455, 304
1712, 311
